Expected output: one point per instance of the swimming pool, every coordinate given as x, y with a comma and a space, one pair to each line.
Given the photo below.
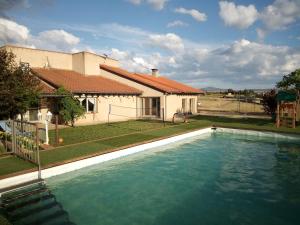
218, 178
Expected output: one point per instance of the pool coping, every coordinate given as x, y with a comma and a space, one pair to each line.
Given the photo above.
6, 183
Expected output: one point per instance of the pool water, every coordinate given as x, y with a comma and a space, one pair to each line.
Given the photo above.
219, 178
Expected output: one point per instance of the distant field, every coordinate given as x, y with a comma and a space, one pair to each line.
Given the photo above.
213, 103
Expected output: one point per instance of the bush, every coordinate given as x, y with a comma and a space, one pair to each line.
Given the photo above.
269, 103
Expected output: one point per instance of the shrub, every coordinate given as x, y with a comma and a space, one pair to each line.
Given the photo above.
269, 103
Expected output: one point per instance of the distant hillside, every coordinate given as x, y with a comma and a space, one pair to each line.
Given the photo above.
213, 89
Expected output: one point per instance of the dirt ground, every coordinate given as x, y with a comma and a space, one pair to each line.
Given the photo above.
219, 104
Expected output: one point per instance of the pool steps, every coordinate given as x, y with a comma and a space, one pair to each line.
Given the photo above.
33, 204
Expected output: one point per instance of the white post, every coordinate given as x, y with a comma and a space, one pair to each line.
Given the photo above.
46, 131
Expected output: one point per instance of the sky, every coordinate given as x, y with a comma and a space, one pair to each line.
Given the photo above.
226, 44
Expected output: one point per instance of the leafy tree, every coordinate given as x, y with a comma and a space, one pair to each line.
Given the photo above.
19, 87
290, 81
269, 103
67, 106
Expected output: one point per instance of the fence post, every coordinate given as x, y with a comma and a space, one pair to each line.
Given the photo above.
13, 137
38, 150
109, 111
56, 130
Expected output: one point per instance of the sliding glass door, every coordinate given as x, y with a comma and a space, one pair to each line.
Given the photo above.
151, 106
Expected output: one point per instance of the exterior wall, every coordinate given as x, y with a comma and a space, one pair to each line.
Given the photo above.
147, 91
92, 62
169, 103
174, 104
78, 62
40, 58
123, 108
82, 62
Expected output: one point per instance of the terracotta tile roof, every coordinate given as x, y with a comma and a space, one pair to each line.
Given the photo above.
162, 84
77, 83
46, 89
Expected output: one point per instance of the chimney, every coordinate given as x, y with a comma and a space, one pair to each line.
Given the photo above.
155, 72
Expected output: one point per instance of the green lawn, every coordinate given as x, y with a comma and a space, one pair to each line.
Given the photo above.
2, 149
93, 132
123, 134
12, 164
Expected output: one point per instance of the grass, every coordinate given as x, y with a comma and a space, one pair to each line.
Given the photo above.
12, 164
132, 132
93, 132
2, 149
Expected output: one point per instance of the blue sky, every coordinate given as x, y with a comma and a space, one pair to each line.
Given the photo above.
228, 44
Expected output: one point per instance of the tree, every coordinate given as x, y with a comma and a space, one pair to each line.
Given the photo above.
290, 81
19, 87
269, 103
68, 107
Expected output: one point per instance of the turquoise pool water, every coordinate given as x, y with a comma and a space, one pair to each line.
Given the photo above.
217, 179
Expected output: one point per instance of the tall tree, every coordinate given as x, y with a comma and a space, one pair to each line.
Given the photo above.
67, 106
19, 87
290, 81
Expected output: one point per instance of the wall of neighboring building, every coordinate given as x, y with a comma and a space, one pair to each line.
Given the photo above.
174, 104
78, 62
41, 58
92, 62
82, 62
147, 91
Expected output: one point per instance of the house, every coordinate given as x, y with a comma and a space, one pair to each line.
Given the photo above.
105, 90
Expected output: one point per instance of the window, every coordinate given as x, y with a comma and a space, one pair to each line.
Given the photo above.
89, 104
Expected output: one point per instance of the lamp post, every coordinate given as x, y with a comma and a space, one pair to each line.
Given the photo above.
47, 121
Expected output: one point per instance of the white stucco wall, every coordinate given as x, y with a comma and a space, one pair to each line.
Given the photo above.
147, 91
40, 58
123, 108
85, 63
174, 104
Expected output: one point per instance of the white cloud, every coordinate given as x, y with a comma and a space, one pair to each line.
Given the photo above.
155, 4
237, 15
12, 32
135, 2
168, 41
280, 14
56, 40
261, 33
200, 17
177, 23
240, 64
